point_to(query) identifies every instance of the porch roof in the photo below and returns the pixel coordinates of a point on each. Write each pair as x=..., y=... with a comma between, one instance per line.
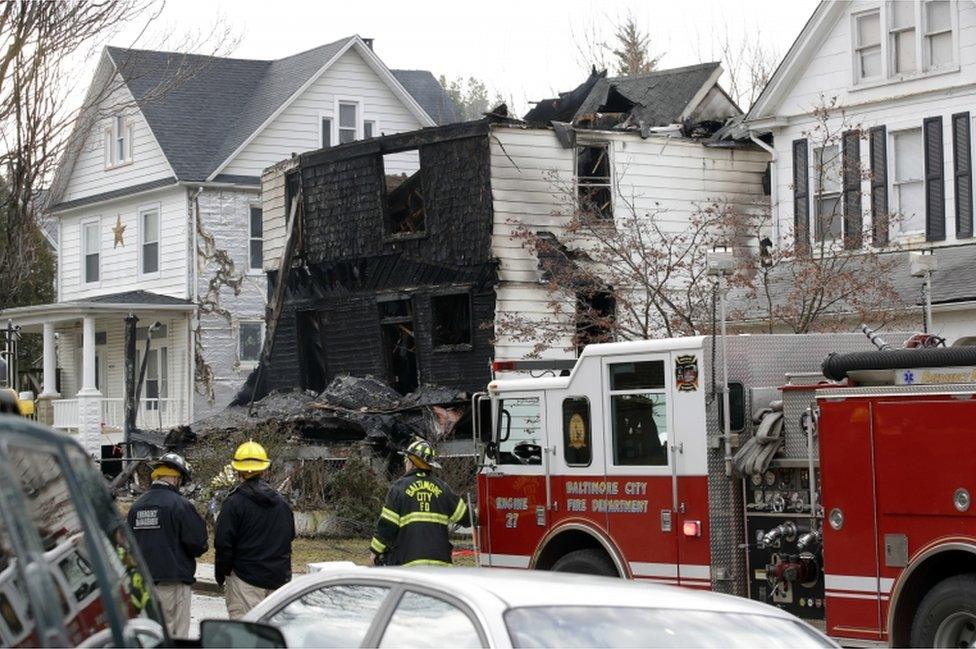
x=126, y=302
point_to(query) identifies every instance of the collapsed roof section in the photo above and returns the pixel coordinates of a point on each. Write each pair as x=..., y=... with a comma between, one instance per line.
x=688, y=100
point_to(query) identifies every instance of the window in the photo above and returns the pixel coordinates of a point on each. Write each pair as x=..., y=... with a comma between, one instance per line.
x=399, y=345
x=908, y=184
x=369, y=128
x=519, y=431
x=118, y=142
x=251, y=341
x=326, y=129
x=593, y=189
x=424, y=621
x=348, y=119
x=902, y=37
x=332, y=616
x=827, y=185
x=404, y=192
x=120, y=134
x=938, y=34
x=149, y=223
x=577, y=438
x=867, y=45
x=639, y=417
x=256, y=251
x=91, y=241
x=595, y=315
x=451, y=321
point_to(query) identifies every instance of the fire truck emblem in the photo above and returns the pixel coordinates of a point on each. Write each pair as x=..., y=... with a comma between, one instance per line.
x=577, y=431
x=686, y=373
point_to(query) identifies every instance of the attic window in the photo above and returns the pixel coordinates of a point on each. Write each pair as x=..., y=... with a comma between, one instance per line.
x=118, y=142
x=593, y=190
x=404, y=193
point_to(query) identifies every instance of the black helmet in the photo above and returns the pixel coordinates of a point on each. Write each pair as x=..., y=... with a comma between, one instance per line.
x=175, y=461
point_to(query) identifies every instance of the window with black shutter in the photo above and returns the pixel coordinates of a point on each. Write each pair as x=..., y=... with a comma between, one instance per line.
x=852, y=190
x=801, y=197
x=879, y=185
x=962, y=169
x=934, y=180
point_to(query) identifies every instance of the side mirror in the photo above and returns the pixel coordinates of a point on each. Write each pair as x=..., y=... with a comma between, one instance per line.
x=241, y=635
x=505, y=419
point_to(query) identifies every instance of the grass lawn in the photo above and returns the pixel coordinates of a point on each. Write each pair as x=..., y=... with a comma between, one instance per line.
x=305, y=551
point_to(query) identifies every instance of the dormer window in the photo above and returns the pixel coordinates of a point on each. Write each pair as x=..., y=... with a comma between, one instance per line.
x=118, y=142
x=867, y=45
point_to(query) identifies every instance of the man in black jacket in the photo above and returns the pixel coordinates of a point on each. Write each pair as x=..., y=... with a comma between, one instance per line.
x=413, y=528
x=171, y=534
x=255, y=529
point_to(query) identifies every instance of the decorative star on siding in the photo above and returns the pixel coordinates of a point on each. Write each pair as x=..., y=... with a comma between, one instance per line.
x=119, y=230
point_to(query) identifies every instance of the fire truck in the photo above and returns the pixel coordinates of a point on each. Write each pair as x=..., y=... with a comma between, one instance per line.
x=837, y=488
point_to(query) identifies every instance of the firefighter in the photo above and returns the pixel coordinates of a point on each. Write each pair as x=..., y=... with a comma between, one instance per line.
x=414, y=522
x=255, y=528
x=171, y=535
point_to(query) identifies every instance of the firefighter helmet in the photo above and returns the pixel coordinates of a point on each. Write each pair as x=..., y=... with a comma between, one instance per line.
x=173, y=461
x=250, y=457
x=422, y=454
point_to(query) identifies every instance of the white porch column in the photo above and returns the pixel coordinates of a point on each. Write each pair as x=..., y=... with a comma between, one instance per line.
x=89, y=398
x=50, y=390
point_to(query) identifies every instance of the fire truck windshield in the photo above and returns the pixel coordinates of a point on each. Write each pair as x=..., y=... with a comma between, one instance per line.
x=619, y=626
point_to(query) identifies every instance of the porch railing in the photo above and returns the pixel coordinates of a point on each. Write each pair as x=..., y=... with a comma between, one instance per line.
x=65, y=413
x=153, y=414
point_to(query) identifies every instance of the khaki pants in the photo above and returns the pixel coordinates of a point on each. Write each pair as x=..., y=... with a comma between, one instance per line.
x=241, y=596
x=174, y=599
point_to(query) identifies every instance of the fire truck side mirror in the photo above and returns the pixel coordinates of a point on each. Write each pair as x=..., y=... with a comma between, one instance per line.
x=505, y=419
x=485, y=432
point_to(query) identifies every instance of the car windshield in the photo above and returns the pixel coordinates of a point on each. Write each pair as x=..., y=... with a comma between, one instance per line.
x=617, y=626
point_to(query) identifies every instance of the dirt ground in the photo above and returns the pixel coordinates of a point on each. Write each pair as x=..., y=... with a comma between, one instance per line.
x=305, y=551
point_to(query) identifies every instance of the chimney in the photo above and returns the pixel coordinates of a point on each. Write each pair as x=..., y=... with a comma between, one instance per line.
x=369, y=43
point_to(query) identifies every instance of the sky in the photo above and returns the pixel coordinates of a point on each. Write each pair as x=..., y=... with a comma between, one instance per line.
x=524, y=50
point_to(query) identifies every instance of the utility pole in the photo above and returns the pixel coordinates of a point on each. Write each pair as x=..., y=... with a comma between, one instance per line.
x=131, y=404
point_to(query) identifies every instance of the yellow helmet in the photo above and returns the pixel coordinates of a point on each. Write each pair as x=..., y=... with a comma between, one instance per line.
x=250, y=456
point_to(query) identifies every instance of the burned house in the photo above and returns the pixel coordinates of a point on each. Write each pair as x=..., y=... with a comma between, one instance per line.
x=406, y=250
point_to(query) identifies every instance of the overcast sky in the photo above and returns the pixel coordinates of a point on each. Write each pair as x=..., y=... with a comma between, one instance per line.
x=526, y=50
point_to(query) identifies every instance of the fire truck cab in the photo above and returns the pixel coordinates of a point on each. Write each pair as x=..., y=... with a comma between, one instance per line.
x=844, y=503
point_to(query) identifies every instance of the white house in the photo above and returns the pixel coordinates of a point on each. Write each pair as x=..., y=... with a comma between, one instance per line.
x=159, y=215
x=903, y=77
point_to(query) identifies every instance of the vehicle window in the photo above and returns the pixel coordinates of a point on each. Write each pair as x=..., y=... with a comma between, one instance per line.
x=333, y=616
x=16, y=623
x=577, y=446
x=424, y=621
x=606, y=626
x=520, y=431
x=639, y=413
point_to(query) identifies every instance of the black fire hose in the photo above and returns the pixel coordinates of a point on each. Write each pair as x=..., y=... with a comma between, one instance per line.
x=837, y=366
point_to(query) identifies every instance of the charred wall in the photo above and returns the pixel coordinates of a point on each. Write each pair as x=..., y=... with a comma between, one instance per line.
x=359, y=284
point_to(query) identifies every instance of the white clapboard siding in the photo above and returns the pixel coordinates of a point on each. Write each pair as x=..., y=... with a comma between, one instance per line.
x=895, y=105
x=273, y=212
x=120, y=265
x=668, y=179
x=296, y=129
x=89, y=175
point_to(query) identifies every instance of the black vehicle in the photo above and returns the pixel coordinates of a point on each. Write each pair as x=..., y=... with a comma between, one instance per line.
x=70, y=571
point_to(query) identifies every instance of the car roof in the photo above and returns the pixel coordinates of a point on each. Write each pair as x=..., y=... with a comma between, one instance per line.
x=520, y=588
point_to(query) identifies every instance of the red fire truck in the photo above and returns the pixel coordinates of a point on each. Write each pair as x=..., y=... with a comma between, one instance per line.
x=838, y=489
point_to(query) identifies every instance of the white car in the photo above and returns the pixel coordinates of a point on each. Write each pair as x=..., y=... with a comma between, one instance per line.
x=354, y=606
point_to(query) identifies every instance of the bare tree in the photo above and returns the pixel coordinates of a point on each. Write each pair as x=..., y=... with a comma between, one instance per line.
x=749, y=62
x=38, y=125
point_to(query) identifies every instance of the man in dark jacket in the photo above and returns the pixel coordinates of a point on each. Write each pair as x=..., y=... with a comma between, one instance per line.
x=413, y=528
x=255, y=529
x=171, y=535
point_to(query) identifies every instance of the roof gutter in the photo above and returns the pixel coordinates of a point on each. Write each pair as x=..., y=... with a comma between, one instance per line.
x=773, y=185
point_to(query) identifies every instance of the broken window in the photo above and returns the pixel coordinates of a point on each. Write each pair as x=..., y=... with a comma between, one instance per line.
x=451, y=321
x=593, y=181
x=404, y=193
x=251, y=339
x=595, y=313
x=399, y=345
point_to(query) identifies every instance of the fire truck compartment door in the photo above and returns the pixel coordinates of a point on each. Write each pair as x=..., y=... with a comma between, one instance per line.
x=924, y=452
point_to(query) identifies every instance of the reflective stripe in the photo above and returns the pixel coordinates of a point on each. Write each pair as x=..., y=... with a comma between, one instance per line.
x=459, y=511
x=377, y=546
x=423, y=517
x=390, y=515
x=426, y=562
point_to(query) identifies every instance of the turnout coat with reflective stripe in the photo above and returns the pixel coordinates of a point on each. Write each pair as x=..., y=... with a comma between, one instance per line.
x=413, y=526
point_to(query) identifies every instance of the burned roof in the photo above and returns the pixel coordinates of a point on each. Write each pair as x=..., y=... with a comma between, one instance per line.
x=658, y=98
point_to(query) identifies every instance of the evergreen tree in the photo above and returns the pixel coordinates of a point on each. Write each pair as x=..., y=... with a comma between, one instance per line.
x=632, y=54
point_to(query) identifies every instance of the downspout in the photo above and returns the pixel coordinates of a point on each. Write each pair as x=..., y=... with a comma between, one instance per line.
x=195, y=297
x=773, y=185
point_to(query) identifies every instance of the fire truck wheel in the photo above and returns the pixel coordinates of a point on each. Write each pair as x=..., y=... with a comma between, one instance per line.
x=947, y=615
x=586, y=562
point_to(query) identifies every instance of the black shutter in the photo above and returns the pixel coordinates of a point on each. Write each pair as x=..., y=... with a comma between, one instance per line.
x=852, y=189
x=879, y=186
x=934, y=180
x=962, y=169
x=801, y=197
